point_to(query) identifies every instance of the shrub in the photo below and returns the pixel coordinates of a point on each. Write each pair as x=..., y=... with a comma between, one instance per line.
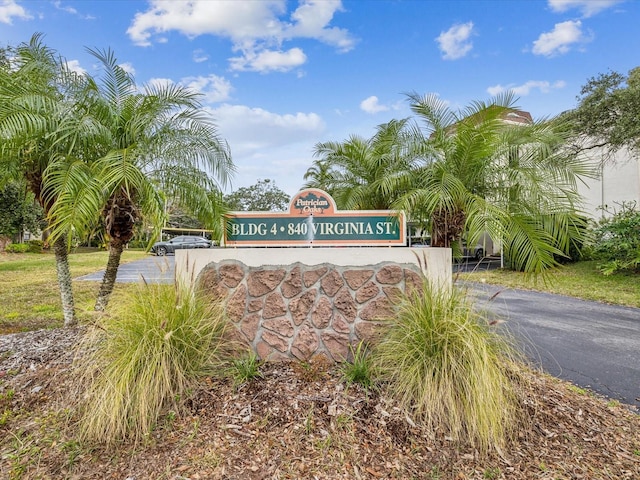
x=138, y=244
x=440, y=360
x=36, y=246
x=145, y=357
x=616, y=241
x=17, y=248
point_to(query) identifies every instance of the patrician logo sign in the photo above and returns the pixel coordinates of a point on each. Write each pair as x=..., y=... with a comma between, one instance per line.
x=311, y=203
x=314, y=220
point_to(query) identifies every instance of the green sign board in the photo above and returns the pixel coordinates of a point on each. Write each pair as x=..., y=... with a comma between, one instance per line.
x=314, y=220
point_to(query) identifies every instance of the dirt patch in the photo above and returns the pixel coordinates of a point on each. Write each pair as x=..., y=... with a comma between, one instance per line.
x=296, y=423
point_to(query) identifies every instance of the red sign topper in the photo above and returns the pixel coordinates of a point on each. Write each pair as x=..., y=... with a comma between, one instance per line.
x=312, y=201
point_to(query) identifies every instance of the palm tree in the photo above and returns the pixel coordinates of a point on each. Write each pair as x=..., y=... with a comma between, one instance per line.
x=37, y=94
x=149, y=145
x=361, y=169
x=319, y=175
x=479, y=173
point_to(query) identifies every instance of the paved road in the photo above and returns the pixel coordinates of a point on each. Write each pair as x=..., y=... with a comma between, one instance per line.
x=591, y=344
x=153, y=269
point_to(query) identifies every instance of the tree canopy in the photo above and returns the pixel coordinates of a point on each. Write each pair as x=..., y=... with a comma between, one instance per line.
x=608, y=110
x=148, y=144
x=357, y=172
x=482, y=173
x=38, y=100
x=263, y=196
x=464, y=173
x=18, y=211
x=103, y=150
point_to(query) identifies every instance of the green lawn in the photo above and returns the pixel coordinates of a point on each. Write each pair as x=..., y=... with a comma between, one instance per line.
x=29, y=295
x=581, y=280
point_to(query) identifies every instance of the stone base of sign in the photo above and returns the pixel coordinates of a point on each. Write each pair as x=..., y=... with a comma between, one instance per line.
x=306, y=303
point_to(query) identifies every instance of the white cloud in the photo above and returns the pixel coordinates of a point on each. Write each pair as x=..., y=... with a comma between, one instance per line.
x=9, y=10
x=70, y=10
x=256, y=128
x=525, y=89
x=74, y=66
x=269, y=145
x=58, y=5
x=560, y=39
x=311, y=20
x=455, y=43
x=268, y=60
x=255, y=28
x=128, y=67
x=372, y=105
x=200, y=56
x=587, y=7
x=263, y=144
x=239, y=21
x=214, y=88
x=160, y=82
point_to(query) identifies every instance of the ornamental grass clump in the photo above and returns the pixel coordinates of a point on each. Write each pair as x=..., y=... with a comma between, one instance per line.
x=143, y=360
x=244, y=369
x=359, y=369
x=443, y=363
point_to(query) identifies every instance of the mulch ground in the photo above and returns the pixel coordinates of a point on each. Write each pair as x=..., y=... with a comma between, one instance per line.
x=296, y=422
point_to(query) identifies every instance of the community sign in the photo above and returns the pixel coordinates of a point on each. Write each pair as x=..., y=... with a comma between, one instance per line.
x=314, y=220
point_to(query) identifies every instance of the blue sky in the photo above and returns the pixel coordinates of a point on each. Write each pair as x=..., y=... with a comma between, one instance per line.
x=280, y=76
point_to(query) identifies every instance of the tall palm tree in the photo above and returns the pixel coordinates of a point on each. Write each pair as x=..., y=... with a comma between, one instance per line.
x=361, y=168
x=37, y=98
x=479, y=173
x=149, y=145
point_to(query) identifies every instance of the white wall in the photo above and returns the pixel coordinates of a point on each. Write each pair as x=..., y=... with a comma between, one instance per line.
x=619, y=182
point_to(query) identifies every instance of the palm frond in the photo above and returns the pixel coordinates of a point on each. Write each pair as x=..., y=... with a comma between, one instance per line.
x=75, y=195
x=117, y=84
x=529, y=247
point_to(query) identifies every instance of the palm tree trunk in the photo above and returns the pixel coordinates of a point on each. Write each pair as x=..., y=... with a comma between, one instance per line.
x=446, y=227
x=64, y=281
x=110, y=274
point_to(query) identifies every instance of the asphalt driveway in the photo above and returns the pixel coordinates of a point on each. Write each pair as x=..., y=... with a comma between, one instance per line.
x=152, y=269
x=591, y=344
